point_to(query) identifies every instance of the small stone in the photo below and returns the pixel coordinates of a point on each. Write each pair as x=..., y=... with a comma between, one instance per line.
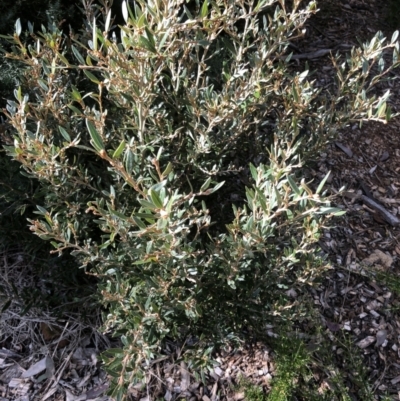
x=374, y=313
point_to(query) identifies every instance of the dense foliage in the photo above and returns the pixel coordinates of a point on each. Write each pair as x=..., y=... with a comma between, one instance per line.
x=170, y=165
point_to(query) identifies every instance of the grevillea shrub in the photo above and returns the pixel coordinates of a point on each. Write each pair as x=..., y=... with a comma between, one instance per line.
x=170, y=159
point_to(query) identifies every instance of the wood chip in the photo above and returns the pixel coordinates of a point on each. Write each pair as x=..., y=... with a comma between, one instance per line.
x=385, y=156
x=380, y=337
x=366, y=342
x=344, y=148
x=35, y=369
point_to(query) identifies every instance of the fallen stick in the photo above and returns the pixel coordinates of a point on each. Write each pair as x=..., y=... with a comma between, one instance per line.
x=316, y=54
x=309, y=56
x=392, y=220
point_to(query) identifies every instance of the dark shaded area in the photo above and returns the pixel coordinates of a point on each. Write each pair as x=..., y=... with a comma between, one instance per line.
x=59, y=281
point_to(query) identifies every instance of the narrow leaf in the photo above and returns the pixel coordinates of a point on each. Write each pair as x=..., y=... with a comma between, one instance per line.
x=167, y=170
x=156, y=199
x=332, y=210
x=119, y=150
x=254, y=172
x=204, y=9
x=97, y=141
x=91, y=76
x=77, y=55
x=322, y=183
x=293, y=185
x=18, y=28
x=64, y=133
x=205, y=186
x=150, y=36
x=125, y=11
x=216, y=188
x=94, y=35
x=147, y=44
x=108, y=21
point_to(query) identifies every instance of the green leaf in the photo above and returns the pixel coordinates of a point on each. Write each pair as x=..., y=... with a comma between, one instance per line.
x=42, y=210
x=150, y=36
x=164, y=38
x=295, y=93
x=365, y=66
x=147, y=44
x=293, y=185
x=129, y=159
x=216, y=188
x=92, y=77
x=75, y=93
x=18, y=94
x=63, y=59
x=142, y=21
x=254, y=172
x=331, y=210
x=382, y=110
x=187, y=12
x=118, y=214
x=156, y=199
x=147, y=205
x=204, y=43
x=229, y=45
x=204, y=9
x=64, y=133
x=388, y=113
x=74, y=109
x=43, y=85
x=97, y=141
x=167, y=170
x=394, y=37
x=119, y=150
x=113, y=352
x=322, y=183
x=78, y=55
x=205, y=186
x=262, y=200
x=139, y=222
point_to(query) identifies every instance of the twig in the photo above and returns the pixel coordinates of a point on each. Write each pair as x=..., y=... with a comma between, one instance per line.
x=392, y=220
x=316, y=54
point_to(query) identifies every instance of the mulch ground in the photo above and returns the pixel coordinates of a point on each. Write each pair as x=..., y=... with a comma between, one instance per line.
x=363, y=246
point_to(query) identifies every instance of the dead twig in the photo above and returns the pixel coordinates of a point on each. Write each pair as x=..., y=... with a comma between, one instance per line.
x=392, y=220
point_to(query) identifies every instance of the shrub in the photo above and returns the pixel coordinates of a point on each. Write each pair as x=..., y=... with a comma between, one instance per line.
x=144, y=148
